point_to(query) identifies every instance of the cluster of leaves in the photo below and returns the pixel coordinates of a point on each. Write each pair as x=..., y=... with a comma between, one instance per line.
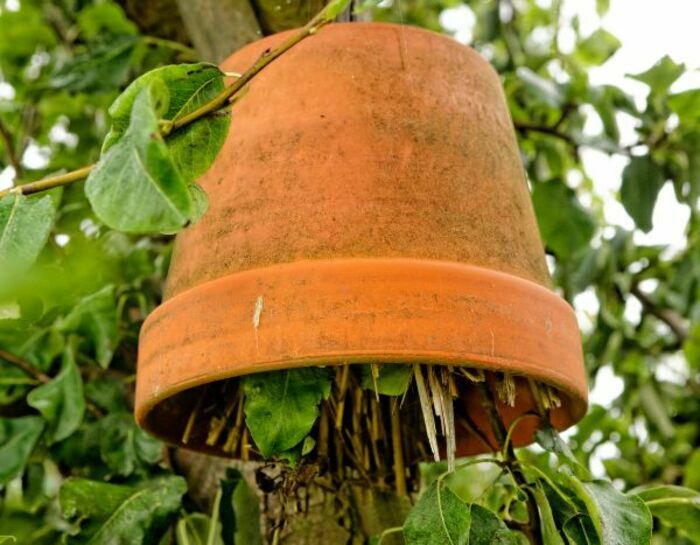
x=573, y=508
x=69, y=322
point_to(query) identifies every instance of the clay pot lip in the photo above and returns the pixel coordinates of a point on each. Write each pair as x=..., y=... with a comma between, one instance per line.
x=369, y=25
x=575, y=391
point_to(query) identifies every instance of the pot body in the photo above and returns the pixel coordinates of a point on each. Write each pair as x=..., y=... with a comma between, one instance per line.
x=368, y=206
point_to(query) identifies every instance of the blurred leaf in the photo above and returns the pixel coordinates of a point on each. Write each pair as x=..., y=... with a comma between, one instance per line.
x=692, y=471
x=61, y=401
x=194, y=147
x=136, y=187
x=598, y=47
x=662, y=75
x=95, y=318
x=104, y=67
x=544, y=90
x=281, y=407
x=439, y=517
x=686, y=105
x=124, y=514
x=642, y=180
x=17, y=439
x=565, y=225
x=393, y=379
x=23, y=32
x=105, y=17
x=25, y=223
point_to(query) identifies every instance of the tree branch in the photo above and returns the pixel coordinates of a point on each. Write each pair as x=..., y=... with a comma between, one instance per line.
x=325, y=16
x=10, y=148
x=672, y=319
x=24, y=366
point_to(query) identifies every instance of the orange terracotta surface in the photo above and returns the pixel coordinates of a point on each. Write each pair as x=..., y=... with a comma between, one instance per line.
x=368, y=206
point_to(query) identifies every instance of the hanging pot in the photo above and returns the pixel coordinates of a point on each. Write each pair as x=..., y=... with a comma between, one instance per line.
x=368, y=206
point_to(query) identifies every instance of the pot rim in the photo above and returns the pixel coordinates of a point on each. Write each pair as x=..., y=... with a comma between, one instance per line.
x=532, y=332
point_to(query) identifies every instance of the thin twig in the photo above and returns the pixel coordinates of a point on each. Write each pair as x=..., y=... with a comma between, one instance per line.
x=10, y=148
x=326, y=15
x=24, y=366
x=673, y=320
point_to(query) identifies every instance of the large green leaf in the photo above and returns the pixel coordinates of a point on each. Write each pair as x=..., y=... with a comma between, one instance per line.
x=194, y=147
x=124, y=515
x=17, y=439
x=565, y=225
x=25, y=223
x=618, y=519
x=686, y=105
x=94, y=317
x=676, y=506
x=136, y=186
x=438, y=518
x=61, y=401
x=642, y=180
x=281, y=407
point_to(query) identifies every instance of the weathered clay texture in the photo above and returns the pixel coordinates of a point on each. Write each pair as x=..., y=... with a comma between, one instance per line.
x=369, y=205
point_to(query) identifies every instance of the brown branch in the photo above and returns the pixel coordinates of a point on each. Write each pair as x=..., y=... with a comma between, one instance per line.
x=672, y=319
x=50, y=183
x=10, y=148
x=543, y=129
x=24, y=366
x=326, y=15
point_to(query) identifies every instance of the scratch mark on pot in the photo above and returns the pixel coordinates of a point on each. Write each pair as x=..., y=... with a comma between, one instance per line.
x=257, y=312
x=493, y=343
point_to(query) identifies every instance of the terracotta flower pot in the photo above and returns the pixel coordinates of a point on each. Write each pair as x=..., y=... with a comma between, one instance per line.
x=369, y=206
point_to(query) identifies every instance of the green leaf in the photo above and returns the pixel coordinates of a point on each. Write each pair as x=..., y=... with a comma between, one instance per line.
x=136, y=186
x=642, y=180
x=239, y=511
x=686, y=105
x=618, y=519
x=662, y=75
x=193, y=529
x=25, y=224
x=23, y=32
x=61, y=401
x=95, y=318
x=565, y=225
x=103, y=67
x=548, y=528
x=393, y=379
x=17, y=439
x=194, y=147
x=488, y=529
x=602, y=7
x=123, y=514
x=281, y=407
x=544, y=90
x=598, y=47
x=106, y=17
x=691, y=478
x=438, y=518
x=675, y=506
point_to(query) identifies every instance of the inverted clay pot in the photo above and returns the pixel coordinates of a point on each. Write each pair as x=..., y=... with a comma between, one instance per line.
x=368, y=206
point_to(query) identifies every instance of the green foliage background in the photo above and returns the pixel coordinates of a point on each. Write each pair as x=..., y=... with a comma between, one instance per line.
x=67, y=435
